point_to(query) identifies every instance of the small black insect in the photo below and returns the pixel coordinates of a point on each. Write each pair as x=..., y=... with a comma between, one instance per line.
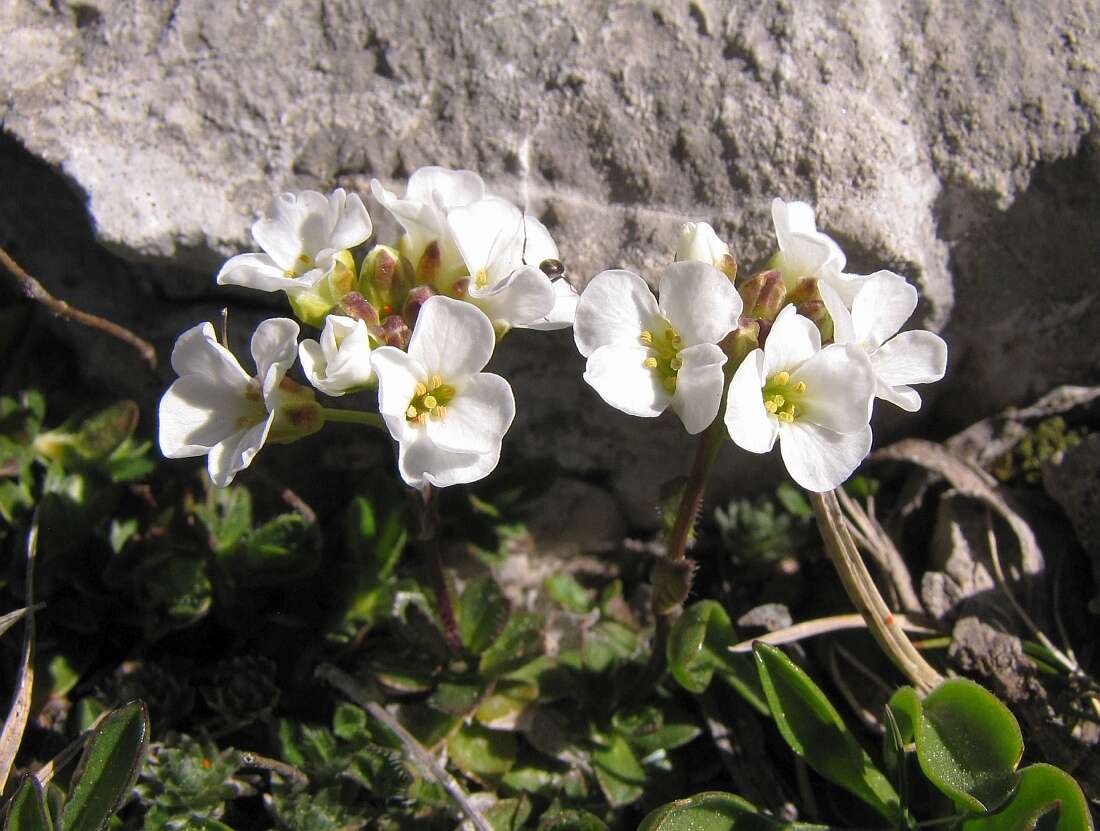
x=552, y=268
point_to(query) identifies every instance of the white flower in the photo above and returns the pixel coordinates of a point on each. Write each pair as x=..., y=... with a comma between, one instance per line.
x=301, y=235
x=431, y=193
x=447, y=416
x=341, y=360
x=699, y=242
x=494, y=239
x=815, y=401
x=879, y=310
x=645, y=356
x=806, y=252
x=215, y=408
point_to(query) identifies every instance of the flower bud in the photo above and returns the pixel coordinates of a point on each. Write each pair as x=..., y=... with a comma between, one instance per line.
x=416, y=298
x=741, y=341
x=395, y=332
x=297, y=413
x=430, y=263
x=355, y=306
x=313, y=304
x=385, y=278
x=699, y=242
x=807, y=301
x=764, y=294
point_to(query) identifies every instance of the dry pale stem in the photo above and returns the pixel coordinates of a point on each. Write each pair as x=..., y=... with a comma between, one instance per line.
x=861, y=588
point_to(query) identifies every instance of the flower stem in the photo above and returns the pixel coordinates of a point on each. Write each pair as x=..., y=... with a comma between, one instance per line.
x=884, y=625
x=692, y=498
x=428, y=543
x=353, y=417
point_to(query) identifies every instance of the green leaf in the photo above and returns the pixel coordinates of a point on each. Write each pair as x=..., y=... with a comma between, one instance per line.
x=509, y=814
x=456, y=699
x=100, y=434
x=607, y=643
x=107, y=769
x=1041, y=791
x=520, y=641
x=813, y=728
x=621, y=776
x=27, y=809
x=350, y=722
x=716, y=811
x=969, y=744
x=227, y=516
x=282, y=549
x=482, y=752
x=508, y=700
x=698, y=647
x=571, y=820
x=482, y=612
x=568, y=593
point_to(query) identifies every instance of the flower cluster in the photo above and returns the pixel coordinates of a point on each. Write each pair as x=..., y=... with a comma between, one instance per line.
x=797, y=353
x=418, y=321
x=794, y=353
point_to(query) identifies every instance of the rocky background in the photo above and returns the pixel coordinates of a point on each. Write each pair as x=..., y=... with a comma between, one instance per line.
x=953, y=142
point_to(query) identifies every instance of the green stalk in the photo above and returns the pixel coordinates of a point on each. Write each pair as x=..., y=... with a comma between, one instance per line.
x=353, y=417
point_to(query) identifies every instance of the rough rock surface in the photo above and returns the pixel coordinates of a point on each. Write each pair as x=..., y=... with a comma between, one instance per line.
x=953, y=142
x=1073, y=481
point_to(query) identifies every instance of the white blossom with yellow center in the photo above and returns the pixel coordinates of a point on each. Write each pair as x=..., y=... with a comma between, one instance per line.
x=815, y=401
x=879, y=309
x=216, y=409
x=805, y=251
x=646, y=356
x=447, y=416
x=301, y=236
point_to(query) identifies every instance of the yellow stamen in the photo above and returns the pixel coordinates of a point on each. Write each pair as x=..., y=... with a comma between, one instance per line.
x=436, y=381
x=782, y=378
x=779, y=400
x=785, y=416
x=770, y=406
x=411, y=413
x=430, y=403
x=650, y=363
x=482, y=279
x=420, y=390
x=439, y=411
x=676, y=363
x=646, y=337
x=800, y=386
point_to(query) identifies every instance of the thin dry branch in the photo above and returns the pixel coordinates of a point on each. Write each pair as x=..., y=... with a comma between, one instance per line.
x=35, y=291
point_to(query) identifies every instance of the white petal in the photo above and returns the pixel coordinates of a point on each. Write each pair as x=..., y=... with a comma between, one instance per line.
x=255, y=271
x=803, y=250
x=274, y=343
x=619, y=375
x=314, y=365
x=748, y=423
x=196, y=413
x=236, y=453
x=844, y=329
x=524, y=296
x=845, y=285
x=792, y=217
x=477, y=418
x=615, y=307
x=452, y=338
x=420, y=462
x=448, y=188
x=881, y=307
x=485, y=233
x=423, y=222
x=699, y=301
x=296, y=223
x=351, y=360
x=352, y=222
x=699, y=386
x=793, y=339
x=398, y=374
x=540, y=245
x=699, y=242
x=900, y=396
x=918, y=357
x=840, y=386
x=819, y=459
x=197, y=352
x=565, y=308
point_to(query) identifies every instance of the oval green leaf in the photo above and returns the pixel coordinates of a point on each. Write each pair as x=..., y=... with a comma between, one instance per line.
x=571, y=820
x=1041, y=791
x=27, y=809
x=482, y=611
x=969, y=744
x=716, y=811
x=813, y=728
x=482, y=752
x=698, y=647
x=107, y=769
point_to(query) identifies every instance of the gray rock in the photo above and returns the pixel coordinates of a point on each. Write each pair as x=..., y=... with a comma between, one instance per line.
x=1072, y=478
x=959, y=574
x=954, y=143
